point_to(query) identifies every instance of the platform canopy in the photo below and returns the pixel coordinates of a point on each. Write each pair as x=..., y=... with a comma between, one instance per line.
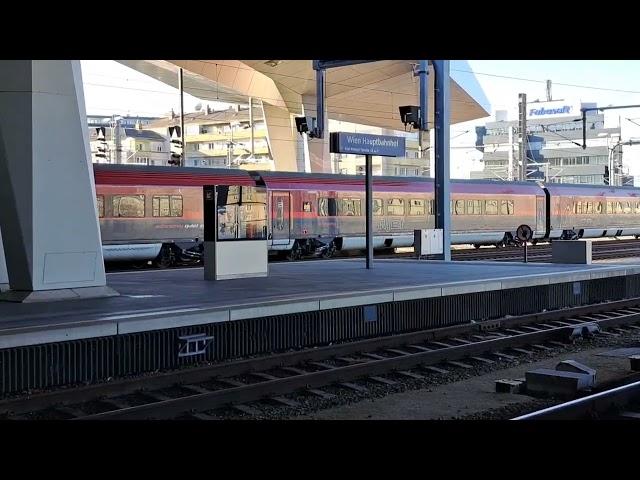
x=367, y=94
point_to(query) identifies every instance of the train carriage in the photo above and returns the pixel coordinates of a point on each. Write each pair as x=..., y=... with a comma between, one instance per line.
x=591, y=211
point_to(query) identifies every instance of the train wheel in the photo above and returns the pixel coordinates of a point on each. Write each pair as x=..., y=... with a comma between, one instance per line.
x=476, y=246
x=165, y=258
x=330, y=251
x=295, y=253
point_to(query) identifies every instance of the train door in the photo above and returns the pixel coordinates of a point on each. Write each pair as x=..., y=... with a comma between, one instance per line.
x=541, y=215
x=280, y=217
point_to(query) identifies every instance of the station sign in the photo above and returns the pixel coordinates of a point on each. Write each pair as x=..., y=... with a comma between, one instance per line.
x=367, y=144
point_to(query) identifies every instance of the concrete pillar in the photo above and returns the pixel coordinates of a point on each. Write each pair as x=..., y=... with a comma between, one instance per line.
x=48, y=214
x=319, y=157
x=282, y=135
x=4, y=277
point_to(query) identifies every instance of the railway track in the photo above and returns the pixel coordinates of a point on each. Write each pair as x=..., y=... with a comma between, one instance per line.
x=192, y=392
x=605, y=250
x=618, y=403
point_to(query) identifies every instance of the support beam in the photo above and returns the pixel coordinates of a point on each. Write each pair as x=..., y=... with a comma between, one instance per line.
x=48, y=213
x=320, y=103
x=318, y=148
x=423, y=73
x=369, y=208
x=183, y=157
x=442, y=168
x=4, y=276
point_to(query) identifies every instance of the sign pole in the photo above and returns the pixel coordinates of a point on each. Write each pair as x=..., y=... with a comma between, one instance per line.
x=369, y=208
x=368, y=145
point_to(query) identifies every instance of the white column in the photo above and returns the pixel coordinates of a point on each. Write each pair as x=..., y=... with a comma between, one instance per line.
x=47, y=194
x=282, y=136
x=4, y=277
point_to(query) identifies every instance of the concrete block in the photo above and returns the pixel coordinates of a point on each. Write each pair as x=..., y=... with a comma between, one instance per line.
x=576, y=367
x=355, y=300
x=460, y=288
x=554, y=382
x=267, y=310
x=635, y=362
x=20, y=296
x=510, y=386
x=571, y=251
x=20, y=337
x=412, y=294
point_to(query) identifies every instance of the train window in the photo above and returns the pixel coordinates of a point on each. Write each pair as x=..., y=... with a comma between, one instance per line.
x=627, y=207
x=130, y=206
x=327, y=207
x=619, y=207
x=395, y=206
x=306, y=206
x=491, y=207
x=416, y=207
x=167, y=205
x=474, y=207
x=610, y=208
x=577, y=208
x=176, y=205
x=430, y=207
x=350, y=207
x=459, y=207
x=377, y=206
x=100, y=201
x=598, y=207
x=637, y=207
x=589, y=210
x=506, y=207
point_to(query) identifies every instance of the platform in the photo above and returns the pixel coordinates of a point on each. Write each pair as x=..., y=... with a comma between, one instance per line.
x=298, y=304
x=155, y=299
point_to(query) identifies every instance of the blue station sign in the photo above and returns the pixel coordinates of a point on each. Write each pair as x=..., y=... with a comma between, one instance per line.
x=367, y=144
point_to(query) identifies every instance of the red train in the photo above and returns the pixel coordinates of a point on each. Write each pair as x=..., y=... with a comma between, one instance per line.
x=155, y=213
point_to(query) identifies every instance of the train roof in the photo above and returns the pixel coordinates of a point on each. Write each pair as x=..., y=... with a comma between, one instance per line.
x=591, y=190
x=314, y=181
x=170, y=176
x=195, y=176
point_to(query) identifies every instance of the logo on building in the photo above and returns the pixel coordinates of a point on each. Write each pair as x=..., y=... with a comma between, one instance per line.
x=565, y=109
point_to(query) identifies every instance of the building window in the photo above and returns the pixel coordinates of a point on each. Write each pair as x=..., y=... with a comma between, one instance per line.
x=212, y=146
x=395, y=207
x=100, y=202
x=139, y=147
x=159, y=148
x=128, y=206
x=167, y=205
